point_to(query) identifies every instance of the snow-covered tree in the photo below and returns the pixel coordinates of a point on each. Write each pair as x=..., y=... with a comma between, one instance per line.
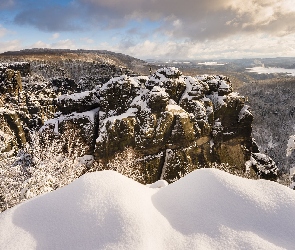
x=125, y=163
x=290, y=148
x=43, y=165
x=290, y=145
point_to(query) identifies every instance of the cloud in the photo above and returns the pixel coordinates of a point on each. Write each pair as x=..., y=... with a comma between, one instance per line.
x=4, y=4
x=247, y=46
x=3, y=31
x=61, y=44
x=55, y=36
x=198, y=20
x=87, y=40
x=40, y=44
x=10, y=45
x=49, y=18
x=64, y=44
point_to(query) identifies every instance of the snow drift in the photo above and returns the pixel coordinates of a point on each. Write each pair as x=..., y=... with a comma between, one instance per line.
x=207, y=209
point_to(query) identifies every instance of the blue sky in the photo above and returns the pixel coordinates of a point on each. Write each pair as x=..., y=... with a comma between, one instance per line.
x=146, y=29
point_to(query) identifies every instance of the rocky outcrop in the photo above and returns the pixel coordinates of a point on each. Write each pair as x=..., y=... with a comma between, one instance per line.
x=12, y=119
x=28, y=99
x=177, y=123
x=173, y=123
x=10, y=81
x=64, y=85
x=25, y=103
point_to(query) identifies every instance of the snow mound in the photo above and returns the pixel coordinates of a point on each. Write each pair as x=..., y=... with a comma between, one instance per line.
x=207, y=209
x=159, y=184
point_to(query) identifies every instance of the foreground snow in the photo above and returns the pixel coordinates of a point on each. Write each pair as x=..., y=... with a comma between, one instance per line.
x=207, y=209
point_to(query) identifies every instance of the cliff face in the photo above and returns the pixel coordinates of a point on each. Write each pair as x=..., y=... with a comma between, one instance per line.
x=176, y=123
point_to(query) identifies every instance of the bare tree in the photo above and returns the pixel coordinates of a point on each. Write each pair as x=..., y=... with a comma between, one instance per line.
x=125, y=163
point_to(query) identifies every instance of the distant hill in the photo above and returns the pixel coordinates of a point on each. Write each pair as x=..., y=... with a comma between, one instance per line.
x=100, y=56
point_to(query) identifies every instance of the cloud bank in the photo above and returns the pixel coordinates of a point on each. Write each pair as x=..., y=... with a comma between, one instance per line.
x=191, y=19
x=166, y=29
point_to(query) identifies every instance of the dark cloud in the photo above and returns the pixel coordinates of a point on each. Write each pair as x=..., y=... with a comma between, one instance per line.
x=53, y=18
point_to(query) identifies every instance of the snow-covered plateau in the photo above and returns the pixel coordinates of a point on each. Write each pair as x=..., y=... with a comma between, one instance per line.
x=206, y=209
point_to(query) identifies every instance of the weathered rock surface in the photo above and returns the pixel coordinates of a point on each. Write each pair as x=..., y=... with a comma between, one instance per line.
x=10, y=81
x=12, y=118
x=176, y=123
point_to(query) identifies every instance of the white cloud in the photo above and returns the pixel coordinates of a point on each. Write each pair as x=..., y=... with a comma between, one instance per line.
x=3, y=31
x=10, y=45
x=61, y=44
x=194, y=20
x=190, y=29
x=55, y=36
x=241, y=46
x=40, y=44
x=64, y=44
x=87, y=40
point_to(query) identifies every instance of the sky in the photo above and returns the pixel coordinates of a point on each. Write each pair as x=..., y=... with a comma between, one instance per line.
x=153, y=29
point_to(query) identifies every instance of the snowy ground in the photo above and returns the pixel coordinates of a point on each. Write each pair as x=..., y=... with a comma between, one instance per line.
x=207, y=209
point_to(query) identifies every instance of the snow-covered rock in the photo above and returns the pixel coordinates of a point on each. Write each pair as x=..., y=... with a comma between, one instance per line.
x=180, y=122
x=174, y=116
x=78, y=102
x=264, y=166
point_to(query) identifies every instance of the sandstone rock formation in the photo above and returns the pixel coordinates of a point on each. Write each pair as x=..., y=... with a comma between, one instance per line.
x=173, y=123
x=11, y=122
x=177, y=123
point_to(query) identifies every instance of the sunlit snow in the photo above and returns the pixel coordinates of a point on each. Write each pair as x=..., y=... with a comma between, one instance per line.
x=207, y=209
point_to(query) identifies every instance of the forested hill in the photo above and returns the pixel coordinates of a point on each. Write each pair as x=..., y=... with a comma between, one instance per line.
x=56, y=55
